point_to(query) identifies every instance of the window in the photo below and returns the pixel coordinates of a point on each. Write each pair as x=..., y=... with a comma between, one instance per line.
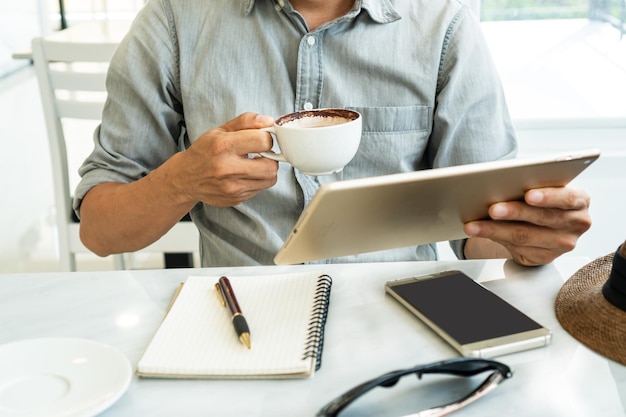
x=559, y=59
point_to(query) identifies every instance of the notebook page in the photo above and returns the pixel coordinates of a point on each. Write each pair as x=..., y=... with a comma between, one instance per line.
x=197, y=337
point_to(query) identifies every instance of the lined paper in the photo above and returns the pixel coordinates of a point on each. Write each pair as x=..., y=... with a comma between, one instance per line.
x=197, y=338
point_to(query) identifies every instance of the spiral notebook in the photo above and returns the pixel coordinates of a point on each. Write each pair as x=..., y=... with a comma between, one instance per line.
x=286, y=314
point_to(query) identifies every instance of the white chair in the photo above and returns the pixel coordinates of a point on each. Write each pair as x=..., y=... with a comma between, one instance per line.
x=71, y=78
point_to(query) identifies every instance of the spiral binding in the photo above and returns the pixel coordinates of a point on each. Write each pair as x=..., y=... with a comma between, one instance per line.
x=315, y=339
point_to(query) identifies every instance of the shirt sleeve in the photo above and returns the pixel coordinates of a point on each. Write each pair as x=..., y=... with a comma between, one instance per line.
x=471, y=122
x=142, y=122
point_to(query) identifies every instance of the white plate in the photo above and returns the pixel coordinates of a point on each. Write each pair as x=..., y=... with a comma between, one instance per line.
x=60, y=377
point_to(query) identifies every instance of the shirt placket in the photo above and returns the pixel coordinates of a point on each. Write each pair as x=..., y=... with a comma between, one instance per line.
x=308, y=92
x=309, y=83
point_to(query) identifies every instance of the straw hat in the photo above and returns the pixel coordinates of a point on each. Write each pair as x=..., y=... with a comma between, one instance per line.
x=591, y=305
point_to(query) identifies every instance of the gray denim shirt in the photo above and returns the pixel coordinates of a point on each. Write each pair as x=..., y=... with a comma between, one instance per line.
x=419, y=71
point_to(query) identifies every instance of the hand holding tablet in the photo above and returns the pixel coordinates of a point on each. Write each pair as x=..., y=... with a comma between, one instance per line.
x=413, y=208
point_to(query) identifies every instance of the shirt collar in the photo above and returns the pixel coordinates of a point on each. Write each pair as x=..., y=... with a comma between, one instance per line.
x=247, y=4
x=381, y=11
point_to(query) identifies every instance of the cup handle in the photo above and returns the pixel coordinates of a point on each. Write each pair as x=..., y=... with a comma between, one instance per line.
x=273, y=155
x=270, y=154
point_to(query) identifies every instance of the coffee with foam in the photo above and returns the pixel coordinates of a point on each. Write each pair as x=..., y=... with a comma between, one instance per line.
x=317, y=118
x=313, y=122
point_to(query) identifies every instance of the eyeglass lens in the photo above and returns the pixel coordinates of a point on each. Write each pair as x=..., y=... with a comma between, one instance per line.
x=462, y=367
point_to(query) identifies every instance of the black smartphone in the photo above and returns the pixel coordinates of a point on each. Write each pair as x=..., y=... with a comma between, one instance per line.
x=470, y=317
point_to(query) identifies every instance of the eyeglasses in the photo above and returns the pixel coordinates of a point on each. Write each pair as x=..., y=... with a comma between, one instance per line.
x=463, y=367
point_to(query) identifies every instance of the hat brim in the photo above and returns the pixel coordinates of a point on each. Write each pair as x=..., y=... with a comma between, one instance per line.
x=583, y=311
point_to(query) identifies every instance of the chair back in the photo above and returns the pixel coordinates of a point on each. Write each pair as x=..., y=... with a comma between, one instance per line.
x=71, y=78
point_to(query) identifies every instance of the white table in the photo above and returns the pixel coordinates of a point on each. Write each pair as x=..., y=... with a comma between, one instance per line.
x=367, y=334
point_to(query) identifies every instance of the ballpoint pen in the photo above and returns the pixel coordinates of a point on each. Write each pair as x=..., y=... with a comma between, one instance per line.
x=228, y=299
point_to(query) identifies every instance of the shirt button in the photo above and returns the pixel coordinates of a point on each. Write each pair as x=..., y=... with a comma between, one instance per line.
x=310, y=40
x=308, y=106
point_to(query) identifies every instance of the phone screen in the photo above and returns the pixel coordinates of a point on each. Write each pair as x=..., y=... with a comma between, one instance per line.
x=464, y=309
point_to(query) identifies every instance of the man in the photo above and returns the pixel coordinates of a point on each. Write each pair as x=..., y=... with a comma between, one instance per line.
x=193, y=81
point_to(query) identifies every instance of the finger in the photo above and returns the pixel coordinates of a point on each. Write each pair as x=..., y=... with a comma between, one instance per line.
x=524, y=254
x=240, y=136
x=237, y=191
x=247, y=120
x=506, y=233
x=576, y=221
x=230, y=200
x=259, y=168
x=533, y=256
x=241, y=168
x=230, y=191
x=241, y=143
x=566, y=198
x=514, y=235
x=246, y=142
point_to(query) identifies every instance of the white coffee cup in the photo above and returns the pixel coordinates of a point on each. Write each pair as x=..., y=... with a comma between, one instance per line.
x=317, y=142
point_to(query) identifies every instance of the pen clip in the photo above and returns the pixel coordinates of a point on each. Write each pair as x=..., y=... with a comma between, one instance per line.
x=218, y=289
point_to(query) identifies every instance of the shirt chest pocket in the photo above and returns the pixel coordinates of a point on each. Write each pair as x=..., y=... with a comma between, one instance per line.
x=395, y=120
x=394, y=139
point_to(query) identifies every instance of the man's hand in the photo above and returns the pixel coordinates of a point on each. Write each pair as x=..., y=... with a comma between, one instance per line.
x=216, y=168
x=535, y=231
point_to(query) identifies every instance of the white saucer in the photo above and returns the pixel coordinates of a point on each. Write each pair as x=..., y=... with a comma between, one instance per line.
x=56, y=377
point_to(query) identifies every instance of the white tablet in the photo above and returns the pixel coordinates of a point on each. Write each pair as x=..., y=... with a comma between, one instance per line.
x=392, y=211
